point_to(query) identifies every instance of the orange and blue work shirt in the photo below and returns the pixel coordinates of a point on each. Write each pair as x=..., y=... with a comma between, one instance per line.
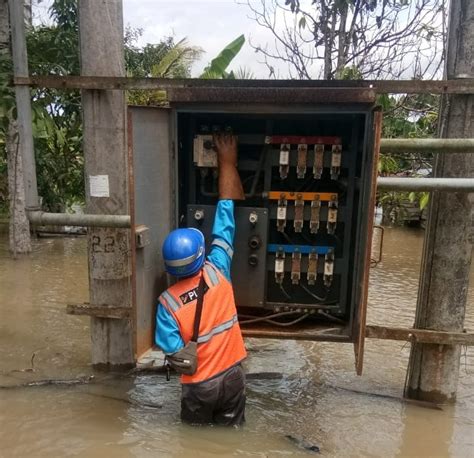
x=168, y=335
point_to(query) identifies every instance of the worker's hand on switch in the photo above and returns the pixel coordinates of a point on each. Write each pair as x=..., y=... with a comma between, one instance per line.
x=230, y=186
x=226, y=146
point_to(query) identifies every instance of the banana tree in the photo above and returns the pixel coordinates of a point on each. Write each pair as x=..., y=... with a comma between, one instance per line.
x=217, y=68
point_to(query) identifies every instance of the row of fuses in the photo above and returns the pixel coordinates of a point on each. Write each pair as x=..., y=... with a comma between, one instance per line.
x=302, y=158
x=314, y=199
x=297, y=252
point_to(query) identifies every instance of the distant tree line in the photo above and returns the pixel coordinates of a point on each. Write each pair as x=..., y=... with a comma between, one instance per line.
x=57, y=122
x=331, y=39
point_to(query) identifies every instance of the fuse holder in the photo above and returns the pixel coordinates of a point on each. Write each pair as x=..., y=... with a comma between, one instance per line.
x=284, y=160
x=281, y=213
x=336, y=160
x=301, y=161
x=315, y=215
x=299, y=214
x=295, y=267
x=312, y=273
x=318, y=163
x=329, y=268
x=280, y=266
x=332, y=216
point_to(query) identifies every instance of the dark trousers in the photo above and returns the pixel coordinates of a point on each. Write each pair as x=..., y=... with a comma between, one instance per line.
x=220, y=400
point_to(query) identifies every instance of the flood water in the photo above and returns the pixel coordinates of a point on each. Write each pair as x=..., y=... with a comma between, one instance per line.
x=139, y=416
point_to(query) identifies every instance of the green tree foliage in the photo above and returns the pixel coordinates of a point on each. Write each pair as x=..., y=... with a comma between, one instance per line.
x=57, y=129
x=409, y=116
x=217, y=68
x=166, y=59
x=57, y=125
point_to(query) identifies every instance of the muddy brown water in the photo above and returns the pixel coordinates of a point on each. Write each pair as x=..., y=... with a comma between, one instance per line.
x=310, y=401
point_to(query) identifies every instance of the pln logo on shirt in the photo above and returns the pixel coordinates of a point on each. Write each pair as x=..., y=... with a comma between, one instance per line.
x=189, y=296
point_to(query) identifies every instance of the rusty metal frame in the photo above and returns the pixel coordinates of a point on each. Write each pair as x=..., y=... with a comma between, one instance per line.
x=100, y=311
x=360, y=324
x=459, y=86
x=419, y=335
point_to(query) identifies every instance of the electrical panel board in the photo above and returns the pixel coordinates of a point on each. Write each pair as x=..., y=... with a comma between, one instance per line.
x=306, y=159
x=301, y=175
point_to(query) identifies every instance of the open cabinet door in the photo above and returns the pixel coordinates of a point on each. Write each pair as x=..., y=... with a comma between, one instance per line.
x=152, y=210
x=361, y=312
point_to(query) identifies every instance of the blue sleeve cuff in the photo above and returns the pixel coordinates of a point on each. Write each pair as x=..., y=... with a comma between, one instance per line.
x=223, y=233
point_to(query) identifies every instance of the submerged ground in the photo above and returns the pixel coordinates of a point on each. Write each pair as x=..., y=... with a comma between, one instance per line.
x=311, y=394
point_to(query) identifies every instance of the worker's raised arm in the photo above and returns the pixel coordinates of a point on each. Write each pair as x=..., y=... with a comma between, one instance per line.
x=230, y=186
x=230, y=189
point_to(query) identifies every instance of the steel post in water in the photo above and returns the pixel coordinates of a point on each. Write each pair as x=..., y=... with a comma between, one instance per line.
x=433, y=370
x=106, y=170
x=23, y=103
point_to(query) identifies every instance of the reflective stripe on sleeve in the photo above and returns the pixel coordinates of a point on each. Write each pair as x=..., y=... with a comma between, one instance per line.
x=218, y=330
x=171, y=301
x=211, y=273
x=225, y=246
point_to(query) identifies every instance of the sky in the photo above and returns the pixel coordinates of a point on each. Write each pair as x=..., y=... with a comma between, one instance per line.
x=209, y=24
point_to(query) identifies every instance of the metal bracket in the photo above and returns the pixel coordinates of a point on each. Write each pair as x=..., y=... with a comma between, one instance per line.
x=377, y=246
x=142, y=236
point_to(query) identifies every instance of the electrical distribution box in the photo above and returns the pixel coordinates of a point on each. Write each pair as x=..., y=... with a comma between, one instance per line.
x=307, y=167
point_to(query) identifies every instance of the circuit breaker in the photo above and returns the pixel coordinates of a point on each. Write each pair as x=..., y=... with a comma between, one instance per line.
x=307, y=167
x=296, y=230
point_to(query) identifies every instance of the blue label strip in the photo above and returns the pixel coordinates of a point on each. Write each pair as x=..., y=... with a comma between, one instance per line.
x=303, y=249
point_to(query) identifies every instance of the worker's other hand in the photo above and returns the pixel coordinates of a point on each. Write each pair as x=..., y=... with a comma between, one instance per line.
x=226, y=146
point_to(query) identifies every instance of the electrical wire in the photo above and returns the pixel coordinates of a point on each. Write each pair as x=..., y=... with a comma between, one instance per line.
x=303, y=186
x=289, y=323
x=268, y=319
x=265, y=318
x=261, y=163
x=283, y=290
x=288, y=238
x=314, y=296
x=331, y=317
x=306, y=238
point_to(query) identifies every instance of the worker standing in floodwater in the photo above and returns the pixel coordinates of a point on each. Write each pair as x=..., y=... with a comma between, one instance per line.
x=196, y=321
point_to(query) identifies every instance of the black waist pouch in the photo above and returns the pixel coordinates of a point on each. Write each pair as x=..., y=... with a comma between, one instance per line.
x=185, y=361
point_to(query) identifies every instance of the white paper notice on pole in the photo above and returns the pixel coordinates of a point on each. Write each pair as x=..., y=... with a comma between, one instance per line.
x=99, y=185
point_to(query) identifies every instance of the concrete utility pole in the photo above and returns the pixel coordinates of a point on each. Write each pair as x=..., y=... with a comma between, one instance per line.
x=434, y=369
x=23, y=193
x=105, y=151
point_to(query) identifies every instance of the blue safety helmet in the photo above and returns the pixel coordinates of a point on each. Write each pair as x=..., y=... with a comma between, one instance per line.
x=184, y=252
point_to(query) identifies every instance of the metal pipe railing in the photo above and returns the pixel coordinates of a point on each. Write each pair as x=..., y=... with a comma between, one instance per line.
x=65, y=219
x=425, y=184
x=427, y=145
x=124, y=221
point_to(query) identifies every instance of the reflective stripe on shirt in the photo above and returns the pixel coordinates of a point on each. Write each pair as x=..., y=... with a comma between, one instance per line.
x=211, y=274
x=224, y=245
x=170, y=300
x=217, y=330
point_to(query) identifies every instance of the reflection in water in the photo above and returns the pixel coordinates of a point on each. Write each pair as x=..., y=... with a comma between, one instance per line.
x=309, y=399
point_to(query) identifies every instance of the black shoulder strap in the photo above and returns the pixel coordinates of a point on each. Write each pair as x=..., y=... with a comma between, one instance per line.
x=197, y=315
